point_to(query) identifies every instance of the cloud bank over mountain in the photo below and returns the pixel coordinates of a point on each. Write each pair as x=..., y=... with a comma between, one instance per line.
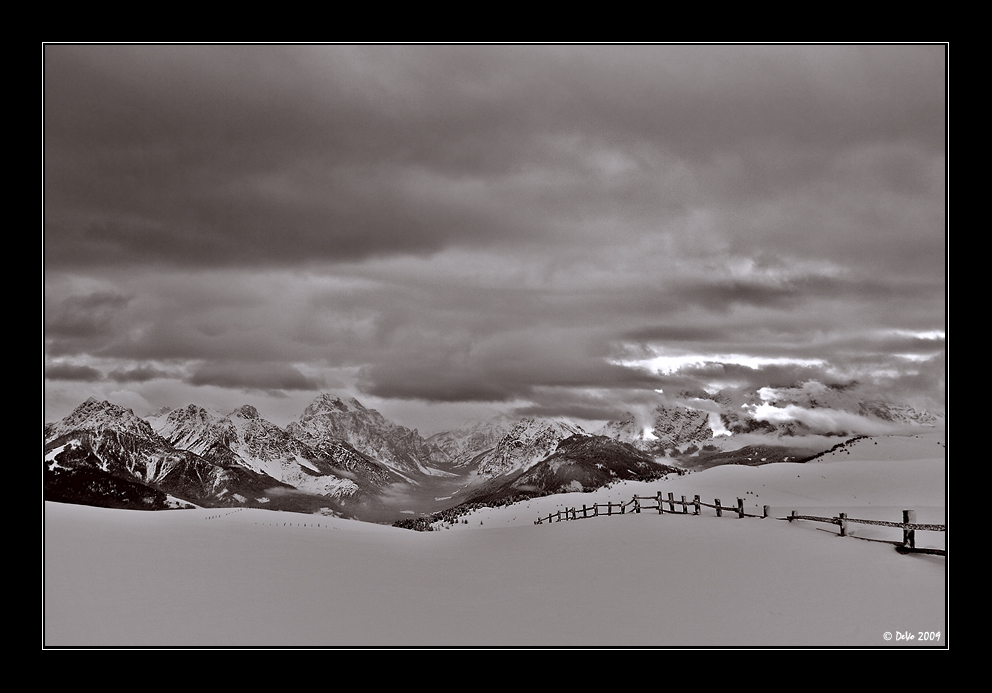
x=443, y=229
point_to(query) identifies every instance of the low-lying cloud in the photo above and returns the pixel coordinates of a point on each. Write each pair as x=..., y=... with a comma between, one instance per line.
x=252, y=376
x=823, y=420
x=72, y=372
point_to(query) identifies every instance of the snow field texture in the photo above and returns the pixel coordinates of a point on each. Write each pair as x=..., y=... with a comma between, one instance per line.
x=260, y=578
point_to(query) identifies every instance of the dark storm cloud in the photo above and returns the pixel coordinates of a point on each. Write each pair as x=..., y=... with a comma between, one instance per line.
x=753, y=377
x=72, y=372
x=227, y=155
x=139, y=374
x=214, y=155
x=671, y=333
x=607, y=405
x=252, y=376
x=501, y=367
x=83, y=317
x=494, y=223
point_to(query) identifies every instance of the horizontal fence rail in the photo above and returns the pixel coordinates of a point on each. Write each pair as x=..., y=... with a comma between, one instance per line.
x=635, y=506
x=908, y=525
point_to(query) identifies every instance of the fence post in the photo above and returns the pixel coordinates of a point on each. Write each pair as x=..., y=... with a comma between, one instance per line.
x=766, y=511
x=595, y=509
x=719, y=510
x=842, y=521
x=660, y=509
x=584, y=510
x=793, y=516
x=671, y=502
x=637, y=505
x=740, y=507
x=609, y=507
x=685, y=506
x=909, y=535
x=695, y=502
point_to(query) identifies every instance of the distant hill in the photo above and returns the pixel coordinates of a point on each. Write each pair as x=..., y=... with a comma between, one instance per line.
x=580, y=462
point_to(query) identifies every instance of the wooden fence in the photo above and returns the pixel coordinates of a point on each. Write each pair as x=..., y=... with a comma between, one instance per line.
x=909, y=527
x=634, y=505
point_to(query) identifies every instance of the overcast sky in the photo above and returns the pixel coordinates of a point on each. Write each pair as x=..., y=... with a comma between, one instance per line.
x=443, y=231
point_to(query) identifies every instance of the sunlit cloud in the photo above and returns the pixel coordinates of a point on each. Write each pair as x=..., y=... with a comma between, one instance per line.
x=669, y=364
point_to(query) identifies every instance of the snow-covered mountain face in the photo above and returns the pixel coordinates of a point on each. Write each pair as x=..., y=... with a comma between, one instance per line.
x=527, y=443
x=103, y=442
x=667, y=428
x=193, y=428
x=465, y=443
x=95, y=417
x=246, y=439
x=586, y=462
x=329, y=419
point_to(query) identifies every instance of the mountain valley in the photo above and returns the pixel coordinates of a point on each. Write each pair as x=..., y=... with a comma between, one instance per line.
x=344, y=459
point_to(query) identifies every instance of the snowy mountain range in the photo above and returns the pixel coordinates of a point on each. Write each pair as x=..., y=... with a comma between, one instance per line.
x=341, y=457
x=246, y=439
x=100, y=443
x=330, y=421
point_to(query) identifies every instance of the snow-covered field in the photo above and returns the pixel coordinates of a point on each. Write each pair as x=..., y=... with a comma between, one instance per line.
x=260, y=578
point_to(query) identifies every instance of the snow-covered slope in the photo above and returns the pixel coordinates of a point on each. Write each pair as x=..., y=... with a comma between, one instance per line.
x=247, y=577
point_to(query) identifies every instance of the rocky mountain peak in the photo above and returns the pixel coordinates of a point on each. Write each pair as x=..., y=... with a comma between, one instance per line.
x=192, y=412
x=530, y=441
x=325, y=403
x=246, y=411
x=401, y=449
x=95, y=415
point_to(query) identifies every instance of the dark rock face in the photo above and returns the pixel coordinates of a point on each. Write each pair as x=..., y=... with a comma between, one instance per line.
x=78, y=478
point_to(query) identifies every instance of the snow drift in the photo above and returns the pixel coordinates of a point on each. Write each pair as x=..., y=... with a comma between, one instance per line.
x=247, y=577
